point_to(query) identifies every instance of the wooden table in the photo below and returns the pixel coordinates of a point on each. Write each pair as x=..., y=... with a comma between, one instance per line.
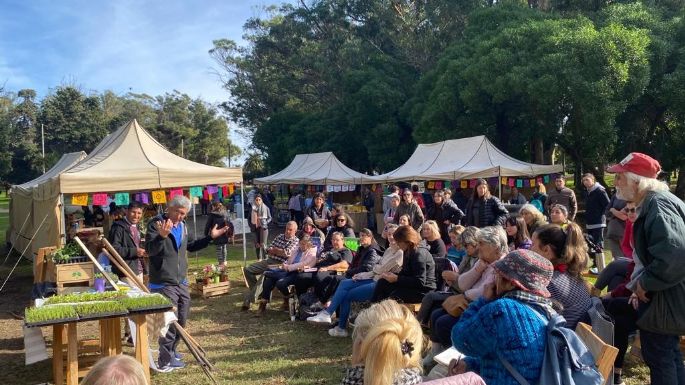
x=110, y=345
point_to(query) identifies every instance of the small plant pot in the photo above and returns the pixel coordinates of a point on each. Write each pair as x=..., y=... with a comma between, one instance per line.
x=100, y=285
x=223, y=278
x=206, y=281
x=216, y=279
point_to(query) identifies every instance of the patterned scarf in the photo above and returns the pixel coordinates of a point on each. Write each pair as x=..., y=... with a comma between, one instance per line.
x=354, y=375
x=533, y=300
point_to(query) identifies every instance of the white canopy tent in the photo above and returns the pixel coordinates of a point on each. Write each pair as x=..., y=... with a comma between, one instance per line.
x=127, y=160
x=466, y=158
x=315, y=169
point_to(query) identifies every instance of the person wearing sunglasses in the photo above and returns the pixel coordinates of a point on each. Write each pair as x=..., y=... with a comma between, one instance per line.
x=340, y=225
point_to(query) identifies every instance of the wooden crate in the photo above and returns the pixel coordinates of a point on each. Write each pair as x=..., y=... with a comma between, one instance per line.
x=70, y=274
x=210, y=290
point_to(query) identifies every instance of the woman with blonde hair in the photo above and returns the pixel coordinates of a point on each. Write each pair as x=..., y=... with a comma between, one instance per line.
x=386, y=349
x=533, y=216
x=116, y=370
x=430, y=232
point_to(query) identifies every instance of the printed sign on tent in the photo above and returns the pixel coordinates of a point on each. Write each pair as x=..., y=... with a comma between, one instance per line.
x=175, y=192
x=329, y=188
x=345, y=188
x=519, y=183
x=196, y=191
x=158, y=197
x=79, y=199
x=122, y=199
x=512, y=181
x=337, y=188
x=504, y=180
x=532, y=183
x=100, y=199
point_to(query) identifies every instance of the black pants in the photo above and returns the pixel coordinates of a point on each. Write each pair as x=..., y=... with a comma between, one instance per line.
x=325, y=285
x=625, y=317
x=613, y=274
x=180, y=297
x=385, y=289
x=431, y=302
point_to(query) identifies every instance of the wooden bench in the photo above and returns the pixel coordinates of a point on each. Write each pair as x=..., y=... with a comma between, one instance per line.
x=603, y=353
x=414, y=307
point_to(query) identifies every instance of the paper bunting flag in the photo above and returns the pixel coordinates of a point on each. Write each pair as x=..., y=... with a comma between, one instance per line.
x=100, y=199
x=219, y=194
x=196, y=191
x=447, y=184
x=538, y=180
x=519, y=183
x=337, y=188
x=79, y=199
x=329, y=188
x=212, y=189
x=438, y=185
x=122, y=199
x=205, y=195
x=175, y=192
x=464, y=184
x=224, y=190
x=158, y=196
x=472, y=183
x=512, y=181
x=431, y=185
x=504, y=180
x=532, y=183
x=231, y=189
x=345, y=188
x=546, y=179
x=143, y=198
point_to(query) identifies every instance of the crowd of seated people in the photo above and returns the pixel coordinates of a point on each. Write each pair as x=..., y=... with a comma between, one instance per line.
x=479, y=278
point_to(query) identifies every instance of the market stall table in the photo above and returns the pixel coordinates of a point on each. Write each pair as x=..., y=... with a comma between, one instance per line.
x=110, y=344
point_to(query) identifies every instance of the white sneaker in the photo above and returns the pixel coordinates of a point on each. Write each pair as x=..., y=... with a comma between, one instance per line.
x=337, y=332
x=322, y=318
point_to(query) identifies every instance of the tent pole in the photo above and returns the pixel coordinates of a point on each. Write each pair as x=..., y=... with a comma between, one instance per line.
x=499, y=181
x=197, y=260
x=63, y=219
x=242, y=222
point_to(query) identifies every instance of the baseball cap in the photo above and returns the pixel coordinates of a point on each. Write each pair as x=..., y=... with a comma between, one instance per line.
x=639, y=164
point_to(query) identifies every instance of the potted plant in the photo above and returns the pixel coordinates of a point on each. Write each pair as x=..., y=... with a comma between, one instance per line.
x=99, y=282
x=211, y=274
x=48, y=315
x=223, y=275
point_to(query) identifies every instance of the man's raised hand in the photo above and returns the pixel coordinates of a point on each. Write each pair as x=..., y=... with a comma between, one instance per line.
x=217, y=232
x=164, y=228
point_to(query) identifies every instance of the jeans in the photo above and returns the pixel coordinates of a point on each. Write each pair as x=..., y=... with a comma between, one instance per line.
x=661, y=353
x=385, y=289
x=613, y=274
x=278, y=278
x=350, y=291
x=431, y=302
x=180, y=297
x=441, y=327
x=255, y=284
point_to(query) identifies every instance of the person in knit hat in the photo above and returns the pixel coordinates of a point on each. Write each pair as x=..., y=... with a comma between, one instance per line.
x=503, y=322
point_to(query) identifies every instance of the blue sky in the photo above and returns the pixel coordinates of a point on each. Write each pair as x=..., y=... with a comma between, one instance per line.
x=140, y=46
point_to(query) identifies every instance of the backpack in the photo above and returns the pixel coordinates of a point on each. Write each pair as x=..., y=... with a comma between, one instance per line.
x=566, y=360
x=305, y=301
x=538, y=204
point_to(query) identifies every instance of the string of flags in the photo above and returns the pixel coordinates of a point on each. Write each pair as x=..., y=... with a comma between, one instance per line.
x=155, y=196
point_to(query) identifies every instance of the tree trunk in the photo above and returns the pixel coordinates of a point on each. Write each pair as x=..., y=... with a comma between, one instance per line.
x=538, y=151
x=680, y=184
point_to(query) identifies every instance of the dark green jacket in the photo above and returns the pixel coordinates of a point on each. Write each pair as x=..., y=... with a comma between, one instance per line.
x=659, y=239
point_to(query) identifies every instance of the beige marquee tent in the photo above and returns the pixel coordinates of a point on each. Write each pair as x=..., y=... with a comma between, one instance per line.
x=466, y=158
x=127, y=160
x=315, y=169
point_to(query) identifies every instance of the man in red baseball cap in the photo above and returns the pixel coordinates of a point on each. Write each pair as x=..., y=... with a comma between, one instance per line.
x=659, y=243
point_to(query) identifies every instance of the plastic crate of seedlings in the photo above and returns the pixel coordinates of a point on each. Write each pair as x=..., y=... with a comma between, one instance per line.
x=100, y=309
x=146, y=303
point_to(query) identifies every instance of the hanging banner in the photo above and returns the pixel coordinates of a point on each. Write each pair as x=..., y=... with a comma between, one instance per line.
x=337, y=188
x=122, y=199
x=345, y=188
x=212, y=189
x=143, y=198
x=231, y=188
x=329, y=188
x=504, y=180
x=224, y=190
x=464, y=184
x=546, y=179
x=100, y=199
x=512, y=181
x=430, y=185
x=175, y=192
x=196, y=191
x=472, y=183
x=158, y=197
x=532, y=182
x=519, y=183
x=79, y=199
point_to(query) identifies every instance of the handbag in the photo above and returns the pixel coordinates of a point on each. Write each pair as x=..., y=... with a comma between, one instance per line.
x=663, y=314
x=455, y=305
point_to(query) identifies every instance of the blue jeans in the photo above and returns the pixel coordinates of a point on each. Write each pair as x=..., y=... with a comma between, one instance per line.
x=350, y=291
x=278, y=278
x=441, y=327
x=661, y=353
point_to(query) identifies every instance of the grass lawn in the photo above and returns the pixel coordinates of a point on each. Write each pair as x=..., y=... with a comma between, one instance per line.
x=245, y=350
